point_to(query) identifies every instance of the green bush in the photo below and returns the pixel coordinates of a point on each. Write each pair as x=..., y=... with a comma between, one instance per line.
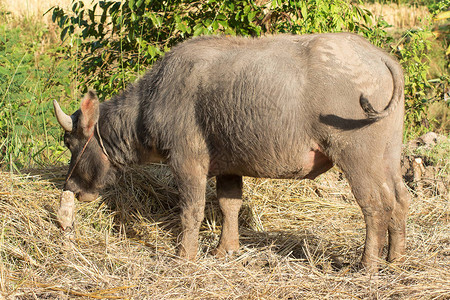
x=412, y=52
x=433, y=5
x=116, y=41
x=436, y=6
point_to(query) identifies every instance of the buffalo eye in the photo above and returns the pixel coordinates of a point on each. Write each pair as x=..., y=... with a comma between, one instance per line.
x=67, y=141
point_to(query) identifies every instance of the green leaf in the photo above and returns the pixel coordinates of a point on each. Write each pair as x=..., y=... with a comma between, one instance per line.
x=64, y=33
x=198, y=31
x=251, y=16
x=247, y=9
x=141, y=41
x=139, y=3
x=224, y=23
x=367, y=19
x=181, y=27
x=215, y=25
x=424, y=76
x=339, y=24
x=304, y=10
x=156, y=20
x=207, y=22
x=151, y=50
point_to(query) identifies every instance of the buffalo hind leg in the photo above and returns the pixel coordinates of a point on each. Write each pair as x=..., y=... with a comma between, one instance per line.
x=229, y=194
x=191, y=178
x=376, y=199
x=397, y=224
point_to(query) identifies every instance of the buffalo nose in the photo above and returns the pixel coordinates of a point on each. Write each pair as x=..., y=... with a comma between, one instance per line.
x=87, y=197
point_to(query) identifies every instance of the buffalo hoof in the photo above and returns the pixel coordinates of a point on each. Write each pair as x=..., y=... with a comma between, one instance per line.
x=396, y=258
x=87, y=197
x=371, y=267
x=187, y=255
x=222, y=252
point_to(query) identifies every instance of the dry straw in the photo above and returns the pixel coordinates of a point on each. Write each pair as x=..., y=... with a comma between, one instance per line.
x=400, y=16
x=33, y=8
x=300, y=240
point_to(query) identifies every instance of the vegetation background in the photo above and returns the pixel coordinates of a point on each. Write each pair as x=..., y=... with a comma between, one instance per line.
x=107, y=44
x=299, y=238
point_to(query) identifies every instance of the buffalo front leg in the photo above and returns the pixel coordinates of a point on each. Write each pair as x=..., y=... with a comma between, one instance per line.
x=192, y=187
x=229, y=194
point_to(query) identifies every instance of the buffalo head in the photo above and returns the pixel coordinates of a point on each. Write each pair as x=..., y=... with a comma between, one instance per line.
x=90, y=168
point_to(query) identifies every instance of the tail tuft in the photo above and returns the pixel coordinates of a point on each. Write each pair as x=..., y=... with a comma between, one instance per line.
x=368, y=109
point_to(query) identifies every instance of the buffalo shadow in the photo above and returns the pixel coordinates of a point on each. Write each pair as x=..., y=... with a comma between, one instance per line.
x=345, y=124
x=150, y=194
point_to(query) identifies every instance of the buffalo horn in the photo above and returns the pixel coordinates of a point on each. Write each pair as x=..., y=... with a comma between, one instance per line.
x=64, y=120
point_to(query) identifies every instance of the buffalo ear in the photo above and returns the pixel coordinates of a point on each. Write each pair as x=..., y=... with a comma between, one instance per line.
x=89, y=112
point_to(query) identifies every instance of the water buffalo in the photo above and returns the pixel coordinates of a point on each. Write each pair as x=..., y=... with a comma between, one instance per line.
x=282, y=106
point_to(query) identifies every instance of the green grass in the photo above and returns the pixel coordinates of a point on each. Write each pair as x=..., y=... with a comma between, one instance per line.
x=438, y=154
x=33, y=71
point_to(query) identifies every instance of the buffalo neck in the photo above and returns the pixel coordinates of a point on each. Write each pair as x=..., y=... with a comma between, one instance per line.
x=118, y=130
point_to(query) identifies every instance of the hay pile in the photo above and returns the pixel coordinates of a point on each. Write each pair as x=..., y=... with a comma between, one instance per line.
x=300, y=239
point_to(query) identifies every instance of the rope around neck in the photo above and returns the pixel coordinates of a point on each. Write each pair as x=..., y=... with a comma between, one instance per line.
x=79, y=156
x=101, y=142
x=84, y=148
